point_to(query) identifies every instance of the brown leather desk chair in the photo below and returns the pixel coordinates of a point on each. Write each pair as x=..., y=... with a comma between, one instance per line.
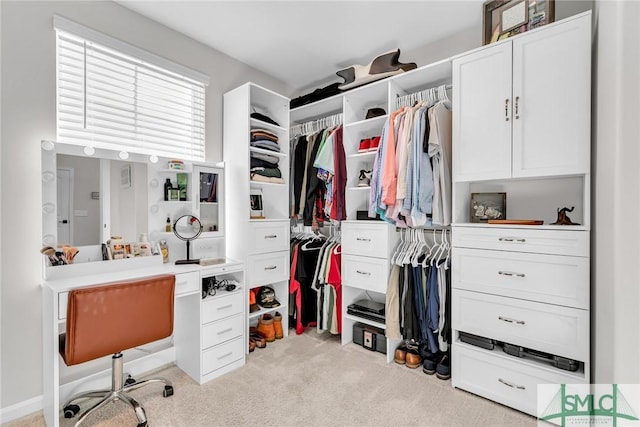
x=108, y=319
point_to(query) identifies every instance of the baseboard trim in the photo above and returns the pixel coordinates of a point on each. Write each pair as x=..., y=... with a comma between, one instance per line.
x=21, y=409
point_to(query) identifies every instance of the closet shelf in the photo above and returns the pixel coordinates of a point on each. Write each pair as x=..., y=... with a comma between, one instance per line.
x=361, y=155
x=321, y=108
x=363, y=320
x=259, y=124
x=366, y=123
x=282, y=308
x=269, y=152
x=536, y=227
x=172, y=171
x=266, y=184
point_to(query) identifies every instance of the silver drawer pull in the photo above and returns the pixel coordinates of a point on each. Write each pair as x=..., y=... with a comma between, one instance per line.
x=510, y=274
x=364, y=273
x=225, y=307
x=519, y=387
x=225, y=331
x=506, y=319
x=511, y=239
x=271, y=236
x=273, y=267
x=225, y=355
x=362, y=239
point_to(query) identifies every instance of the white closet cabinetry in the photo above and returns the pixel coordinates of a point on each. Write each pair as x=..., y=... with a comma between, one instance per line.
x=527, y=134
x=263, y=244
x=525, y=105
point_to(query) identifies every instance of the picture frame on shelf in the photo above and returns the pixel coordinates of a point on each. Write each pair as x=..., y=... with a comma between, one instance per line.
x=256, y=206
x=486, y=206
x=502, y=19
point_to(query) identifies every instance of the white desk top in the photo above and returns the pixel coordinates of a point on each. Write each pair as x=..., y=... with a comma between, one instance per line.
x=111, y=271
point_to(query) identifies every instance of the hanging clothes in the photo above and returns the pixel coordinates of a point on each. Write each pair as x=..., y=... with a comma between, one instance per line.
x=302, y=296
x=411, y=186
x=417, y=305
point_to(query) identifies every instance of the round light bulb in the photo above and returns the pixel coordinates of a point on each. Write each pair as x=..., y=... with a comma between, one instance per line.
x=89, y=151
x=123, y=155
x=153, y=158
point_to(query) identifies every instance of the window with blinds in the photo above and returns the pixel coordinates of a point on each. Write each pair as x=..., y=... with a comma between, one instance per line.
x=109, y=99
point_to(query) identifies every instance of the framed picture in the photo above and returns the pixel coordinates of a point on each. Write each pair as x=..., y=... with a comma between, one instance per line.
x=255, y=200
x=505, y=18
x=486, y=206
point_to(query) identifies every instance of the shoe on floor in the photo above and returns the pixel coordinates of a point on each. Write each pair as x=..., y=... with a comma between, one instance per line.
x=252, y=344
x=400, y=356
x=443, y=370
x=413, y=359
x=430, y=362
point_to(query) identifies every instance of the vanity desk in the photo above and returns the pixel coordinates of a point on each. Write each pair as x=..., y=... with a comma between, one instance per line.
x=208, y=338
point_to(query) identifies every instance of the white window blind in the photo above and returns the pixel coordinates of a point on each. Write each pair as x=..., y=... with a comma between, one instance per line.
x=110, y=99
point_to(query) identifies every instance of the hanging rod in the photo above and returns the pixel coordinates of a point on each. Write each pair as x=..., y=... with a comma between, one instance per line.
x=435, y=93
x=314, y=126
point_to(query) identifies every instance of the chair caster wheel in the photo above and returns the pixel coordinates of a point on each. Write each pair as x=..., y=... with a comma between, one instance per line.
x=168, y=391
x=130, y=380
x=71, y=411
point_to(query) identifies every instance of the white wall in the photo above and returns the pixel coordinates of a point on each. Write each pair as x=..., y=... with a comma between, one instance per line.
x=28, y=115
x=616, y=153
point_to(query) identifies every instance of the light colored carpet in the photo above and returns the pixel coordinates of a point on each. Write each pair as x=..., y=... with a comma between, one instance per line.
x=307, y=380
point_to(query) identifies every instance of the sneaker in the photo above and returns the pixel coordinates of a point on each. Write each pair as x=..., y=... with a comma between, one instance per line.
x=364, y=145
x=443, y=370
x=374, y=143
x=364, y=179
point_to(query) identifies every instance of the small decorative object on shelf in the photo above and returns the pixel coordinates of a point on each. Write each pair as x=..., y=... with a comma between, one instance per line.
x=167, y=189
x=182, y=185
x=563, y=218
x=486, y=206
x=383, y=65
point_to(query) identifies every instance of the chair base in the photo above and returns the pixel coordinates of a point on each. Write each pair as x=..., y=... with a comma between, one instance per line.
x=117, y=392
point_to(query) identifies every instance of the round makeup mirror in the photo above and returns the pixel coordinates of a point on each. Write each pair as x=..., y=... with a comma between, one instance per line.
x=187, y=228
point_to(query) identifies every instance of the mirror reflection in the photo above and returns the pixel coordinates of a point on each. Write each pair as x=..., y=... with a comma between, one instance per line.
x=99, y=198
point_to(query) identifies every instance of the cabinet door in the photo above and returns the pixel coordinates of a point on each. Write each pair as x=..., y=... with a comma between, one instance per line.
x=482, y=114
x=209, y=198
x=552, y=100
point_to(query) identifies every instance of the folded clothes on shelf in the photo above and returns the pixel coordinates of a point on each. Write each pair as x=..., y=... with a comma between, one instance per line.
x=266, y=145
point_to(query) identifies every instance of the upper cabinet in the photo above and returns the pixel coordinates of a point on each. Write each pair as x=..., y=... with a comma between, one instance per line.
x=526, y=105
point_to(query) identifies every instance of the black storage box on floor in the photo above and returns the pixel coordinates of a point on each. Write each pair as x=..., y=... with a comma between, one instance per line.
x=370, y=337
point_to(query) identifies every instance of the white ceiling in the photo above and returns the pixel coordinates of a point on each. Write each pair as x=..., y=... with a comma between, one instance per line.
x=302, y=42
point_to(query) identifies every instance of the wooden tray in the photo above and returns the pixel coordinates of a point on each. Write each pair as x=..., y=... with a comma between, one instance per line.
x=516, y=221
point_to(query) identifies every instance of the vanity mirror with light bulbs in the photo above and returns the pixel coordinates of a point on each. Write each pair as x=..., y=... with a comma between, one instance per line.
x=91, y=194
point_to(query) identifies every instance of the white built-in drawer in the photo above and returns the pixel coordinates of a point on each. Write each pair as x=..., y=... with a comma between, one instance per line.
x=553, y=242
x=269, y=237
x=268, y=268
x=368, y=239
x=222, y=355
x=504, y=379
x=221, y=331
x=187, y=282
x=367, y=273
x=555, y=279
x=554, y=329
x=222, y=306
